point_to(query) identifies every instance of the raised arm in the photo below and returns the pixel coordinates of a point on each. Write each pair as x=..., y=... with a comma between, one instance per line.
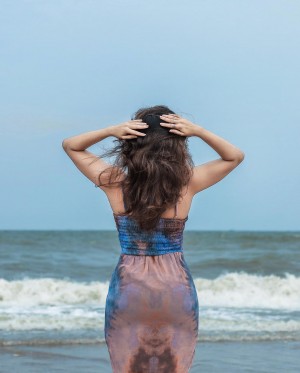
x=86, y=162
x=211, y=172
x=90, y=164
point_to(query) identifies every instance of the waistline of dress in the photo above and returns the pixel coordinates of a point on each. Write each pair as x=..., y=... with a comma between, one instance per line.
x=147, y=252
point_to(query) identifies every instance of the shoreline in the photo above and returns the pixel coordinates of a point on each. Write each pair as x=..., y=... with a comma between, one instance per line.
x=214, y=357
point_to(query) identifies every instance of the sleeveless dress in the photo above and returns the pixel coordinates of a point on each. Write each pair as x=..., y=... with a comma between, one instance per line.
x=151, y=310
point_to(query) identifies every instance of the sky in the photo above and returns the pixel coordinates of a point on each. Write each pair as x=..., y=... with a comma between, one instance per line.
x=69, y=67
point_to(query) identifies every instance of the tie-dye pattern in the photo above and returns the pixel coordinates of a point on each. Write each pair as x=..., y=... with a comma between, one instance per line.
x=152, y=312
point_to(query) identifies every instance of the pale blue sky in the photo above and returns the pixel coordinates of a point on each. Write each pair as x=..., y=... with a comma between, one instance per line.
x=73, y=66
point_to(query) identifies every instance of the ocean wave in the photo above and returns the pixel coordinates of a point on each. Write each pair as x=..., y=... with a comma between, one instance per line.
x=50, y=291
x=240, y=289
x=236, y=289
x=263, y=337
x=211, y=321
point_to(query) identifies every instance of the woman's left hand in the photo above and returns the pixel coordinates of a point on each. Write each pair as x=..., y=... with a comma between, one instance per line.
x=179, y=125
x=127, y=130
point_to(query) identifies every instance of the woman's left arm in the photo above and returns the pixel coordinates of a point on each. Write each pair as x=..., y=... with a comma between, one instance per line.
x=88, y=163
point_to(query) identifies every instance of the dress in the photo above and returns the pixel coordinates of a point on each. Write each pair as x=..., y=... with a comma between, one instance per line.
x=151, y=311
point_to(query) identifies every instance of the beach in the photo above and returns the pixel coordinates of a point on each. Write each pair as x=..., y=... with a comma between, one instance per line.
x=221, y=357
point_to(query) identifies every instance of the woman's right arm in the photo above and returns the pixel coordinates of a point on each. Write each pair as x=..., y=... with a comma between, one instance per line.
x=211, y=172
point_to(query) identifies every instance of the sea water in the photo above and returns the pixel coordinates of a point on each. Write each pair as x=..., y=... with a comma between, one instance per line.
x=53, y=285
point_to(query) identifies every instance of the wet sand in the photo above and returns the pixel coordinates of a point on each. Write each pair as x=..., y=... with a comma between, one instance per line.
x=217, y=357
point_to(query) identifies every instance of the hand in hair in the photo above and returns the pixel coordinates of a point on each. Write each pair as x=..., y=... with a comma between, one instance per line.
x=127, y=130
x=179, y=125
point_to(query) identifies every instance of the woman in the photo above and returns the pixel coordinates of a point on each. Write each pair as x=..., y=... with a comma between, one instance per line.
x=152, y=311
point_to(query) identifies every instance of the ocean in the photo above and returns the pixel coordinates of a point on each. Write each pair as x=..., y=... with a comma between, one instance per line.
x=53, y=286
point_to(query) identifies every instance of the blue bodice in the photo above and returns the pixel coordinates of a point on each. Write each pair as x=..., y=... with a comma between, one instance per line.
x=166, y=238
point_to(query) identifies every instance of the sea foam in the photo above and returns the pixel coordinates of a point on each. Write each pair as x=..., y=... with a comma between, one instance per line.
x=240, y=290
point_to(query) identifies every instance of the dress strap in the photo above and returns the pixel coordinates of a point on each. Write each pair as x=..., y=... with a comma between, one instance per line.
x=123, y=197
x=175, y=210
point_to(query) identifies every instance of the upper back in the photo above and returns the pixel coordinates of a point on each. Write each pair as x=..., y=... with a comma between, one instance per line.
x=178, y=211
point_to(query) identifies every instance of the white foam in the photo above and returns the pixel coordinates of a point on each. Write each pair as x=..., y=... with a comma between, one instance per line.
x=62, y=319
x=234, y=306
x=212, y=322
x=49, y=291
x=239, y=290
x=242, y=290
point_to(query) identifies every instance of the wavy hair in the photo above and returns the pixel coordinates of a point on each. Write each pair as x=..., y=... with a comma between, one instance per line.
x=156, y=168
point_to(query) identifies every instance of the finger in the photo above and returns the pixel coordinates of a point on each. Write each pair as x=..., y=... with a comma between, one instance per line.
x=133, y=132
x=139, y=125
x=129, y=137
x=171, y=115
x=177, y=132
x=167, y=119
x=169, y=125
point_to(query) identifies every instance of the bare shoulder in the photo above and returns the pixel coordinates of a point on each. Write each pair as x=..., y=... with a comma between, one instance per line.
x=111, y=181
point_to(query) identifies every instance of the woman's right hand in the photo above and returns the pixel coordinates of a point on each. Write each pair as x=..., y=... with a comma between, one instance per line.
x=183, y=127
x=128, y=129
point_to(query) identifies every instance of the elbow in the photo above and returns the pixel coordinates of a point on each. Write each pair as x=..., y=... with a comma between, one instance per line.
x=240, y=157
x=64, y=144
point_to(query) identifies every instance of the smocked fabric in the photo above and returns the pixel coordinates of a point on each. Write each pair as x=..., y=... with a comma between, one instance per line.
x=167, y=238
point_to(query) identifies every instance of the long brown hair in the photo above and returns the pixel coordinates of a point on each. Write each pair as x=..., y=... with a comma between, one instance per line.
x=156, y=167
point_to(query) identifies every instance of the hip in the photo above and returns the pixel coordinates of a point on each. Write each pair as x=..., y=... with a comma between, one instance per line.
x=151, y=281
